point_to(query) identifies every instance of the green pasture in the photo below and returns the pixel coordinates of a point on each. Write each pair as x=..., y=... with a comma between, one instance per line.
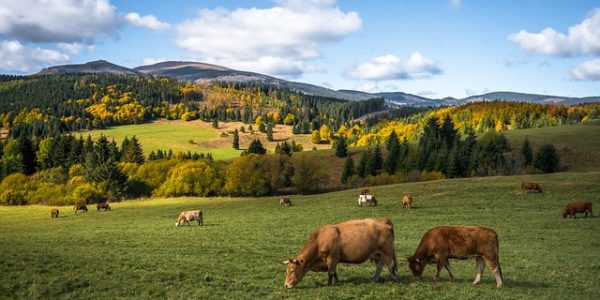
x=135, y=251
x=165, y=135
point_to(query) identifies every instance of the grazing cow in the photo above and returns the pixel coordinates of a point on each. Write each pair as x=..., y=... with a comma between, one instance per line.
x=407, y=201
x=367, y=199
x=285, y=201
x=578, y=207
x=527, y=186
x=103, y=205
x=80, y=206
x=352, y=242
x=187, y=216
x=54, y=213
x=459, y=242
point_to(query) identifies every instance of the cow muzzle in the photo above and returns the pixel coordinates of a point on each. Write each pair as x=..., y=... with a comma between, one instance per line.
x=288, y=285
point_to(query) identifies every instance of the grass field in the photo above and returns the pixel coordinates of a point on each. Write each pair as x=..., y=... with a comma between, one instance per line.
x=135, y=251
x=199, y=136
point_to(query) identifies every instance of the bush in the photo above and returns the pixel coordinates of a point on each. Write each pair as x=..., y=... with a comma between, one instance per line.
x=309, y=175
x=547, y=159
x=154, y=173
x=191, y=178
x=87, y=193
x=48, y=193
x=13, y=189
x=248, y=176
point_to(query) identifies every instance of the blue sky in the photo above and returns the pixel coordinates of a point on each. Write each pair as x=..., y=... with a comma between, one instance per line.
x=432, y=48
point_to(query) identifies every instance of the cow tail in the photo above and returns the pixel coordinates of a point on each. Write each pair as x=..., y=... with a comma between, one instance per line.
x=395, y=267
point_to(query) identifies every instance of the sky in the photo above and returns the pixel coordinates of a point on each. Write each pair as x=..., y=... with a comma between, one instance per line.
x=432, y=48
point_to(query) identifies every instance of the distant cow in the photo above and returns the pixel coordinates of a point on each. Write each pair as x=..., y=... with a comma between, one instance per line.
x=364, y=191
x=407, y=201
x=187, y=216
x=367, y=199
x=576, y=207
x=80, y=206
x=103, y=205
x=458, y=242
x=285, y=201
x=54, y=213
x=348, y=242
x=527, y=186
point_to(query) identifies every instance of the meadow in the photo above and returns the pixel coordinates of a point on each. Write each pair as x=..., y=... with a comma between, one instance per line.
x=135, y=251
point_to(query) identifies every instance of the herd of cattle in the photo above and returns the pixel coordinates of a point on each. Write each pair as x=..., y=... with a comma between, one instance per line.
x=357, y=241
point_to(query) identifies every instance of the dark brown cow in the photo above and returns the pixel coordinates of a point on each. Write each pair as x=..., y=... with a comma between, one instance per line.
x=582, y=207
x=54, y=213
x=285, y=201
x=407, y=201
x=80, y=206
x=103, y=205
x=527, y=186
x=458, y=242
x=352, y=242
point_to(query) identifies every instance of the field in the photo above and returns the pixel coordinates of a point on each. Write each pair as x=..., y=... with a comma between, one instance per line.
x=135, y=251
x=199, y=136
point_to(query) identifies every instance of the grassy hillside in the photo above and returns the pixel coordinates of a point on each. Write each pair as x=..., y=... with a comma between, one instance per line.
x=135, y=251
x=199, y=136
x=579, y=145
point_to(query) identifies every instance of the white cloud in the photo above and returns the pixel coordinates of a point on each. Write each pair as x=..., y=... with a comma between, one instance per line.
x=149, y=21
x=589, y=70
x=390, y=67
x=65, y=21
x=280, y=40
x=75, y=48
x=14, y=56
x=582, y=39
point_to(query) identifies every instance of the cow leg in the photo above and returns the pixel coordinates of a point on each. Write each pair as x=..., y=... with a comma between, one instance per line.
x=494, y=266
x=480, y=265
x=378, y=267
x=448, y=268
x=331, y=271
x=390, y=262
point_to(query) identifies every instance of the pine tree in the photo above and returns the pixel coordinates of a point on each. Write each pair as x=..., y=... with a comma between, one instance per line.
x=256, y=147
x=527, y=152
x=377, y=160
x=215, y=123
x=341, y=147
x=362, y=164
x=391, y=161
x=27, y=154
x=547, y=159
x=236, y=139
x=269, y=132
x=348, y=169
x=391, y=140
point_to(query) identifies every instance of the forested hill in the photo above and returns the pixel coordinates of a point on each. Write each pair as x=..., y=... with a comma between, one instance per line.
x=44, y=105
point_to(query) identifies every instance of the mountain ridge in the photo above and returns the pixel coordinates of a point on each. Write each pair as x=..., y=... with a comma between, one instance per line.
x=203, y=72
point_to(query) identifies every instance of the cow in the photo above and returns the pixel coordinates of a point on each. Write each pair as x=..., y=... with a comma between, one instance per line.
x=407, y=201
x=353, y=241
x=368, y=199
x=54, y=213
x=578, y=207
x=285, y=201
x=364, y=191
x=527, y=186
x=187, y=216
x=103, y=205
x=80, y=206
x=458, y=242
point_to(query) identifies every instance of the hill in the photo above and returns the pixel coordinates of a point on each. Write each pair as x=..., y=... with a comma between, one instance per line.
x=94, y=67
x=134, y=251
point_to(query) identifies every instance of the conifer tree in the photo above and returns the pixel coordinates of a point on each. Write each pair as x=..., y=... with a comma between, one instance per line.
x=391, y=161
x=527, y=153
x=348, y=169
x=362, y=164
x=269, y=132
x=547, y=159
x=215, y=123
x=236, y=139
x=341, y=147
x=256, y=147
x=377, y=160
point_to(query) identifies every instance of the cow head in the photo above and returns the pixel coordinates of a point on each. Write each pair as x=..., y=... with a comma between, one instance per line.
x=565, y=213
x=295, y=272
x=416, y=265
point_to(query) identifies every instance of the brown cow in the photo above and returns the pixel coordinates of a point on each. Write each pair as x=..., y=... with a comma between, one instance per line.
x=187, y=216
x=103, y=205
x=364, y=191
x=80, y=206
x=352, y=242
x=54, y=213
x=407, y=201
x=527, y=186
x=578, y=207
x=459, y=242
x=285, y=201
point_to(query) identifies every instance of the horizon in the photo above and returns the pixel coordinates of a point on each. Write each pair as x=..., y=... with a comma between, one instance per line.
x=445, y=48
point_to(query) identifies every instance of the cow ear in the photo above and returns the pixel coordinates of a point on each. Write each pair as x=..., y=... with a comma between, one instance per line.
x=418, y=260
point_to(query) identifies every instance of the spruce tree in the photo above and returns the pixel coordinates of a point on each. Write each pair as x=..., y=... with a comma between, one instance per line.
x=527, y=152
x=348, y=169
x=269, y=132
x=215, y=123
x=547, y=159
x=391, y=161
x=391, y=140
x=256, y=147
x=341, y=147
x=377, y=160
x=236, y=139
x=362, y=164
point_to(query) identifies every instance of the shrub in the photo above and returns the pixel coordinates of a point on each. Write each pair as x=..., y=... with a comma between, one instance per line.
x=547, y=159
x=13, y=189
x=191, y=178
x=248, y=176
